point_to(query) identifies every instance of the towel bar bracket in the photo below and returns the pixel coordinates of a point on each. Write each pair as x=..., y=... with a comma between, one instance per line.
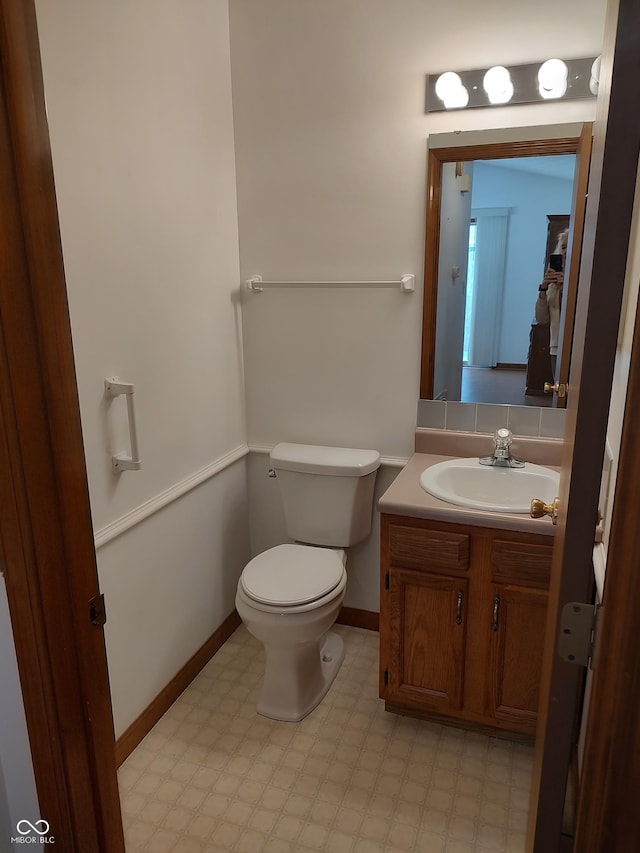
x=253, y=283
x=124, y=462
x=114, y=388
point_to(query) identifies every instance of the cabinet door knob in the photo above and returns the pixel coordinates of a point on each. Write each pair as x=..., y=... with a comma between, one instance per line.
x=496, y=612
x=459, y=608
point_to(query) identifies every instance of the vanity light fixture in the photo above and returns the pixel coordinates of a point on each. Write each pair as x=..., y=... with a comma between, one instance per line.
x=553, y=79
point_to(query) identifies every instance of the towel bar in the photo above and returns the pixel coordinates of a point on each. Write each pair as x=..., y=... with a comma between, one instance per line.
x=407, y=283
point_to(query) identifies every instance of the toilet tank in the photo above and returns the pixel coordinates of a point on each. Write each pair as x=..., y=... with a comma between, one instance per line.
x=327, y=492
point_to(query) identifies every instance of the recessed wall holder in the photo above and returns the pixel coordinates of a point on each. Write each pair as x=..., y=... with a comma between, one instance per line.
x=124, y=461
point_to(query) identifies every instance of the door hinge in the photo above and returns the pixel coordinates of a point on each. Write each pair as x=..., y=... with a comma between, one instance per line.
x=577, y=642
x=98, y=610
x=386, y=677
x=386, y=581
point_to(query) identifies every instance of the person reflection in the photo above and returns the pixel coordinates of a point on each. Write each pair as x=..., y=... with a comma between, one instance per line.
x=549, y=301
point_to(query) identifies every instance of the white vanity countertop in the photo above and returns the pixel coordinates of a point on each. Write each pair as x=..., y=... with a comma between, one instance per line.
x=405, y=496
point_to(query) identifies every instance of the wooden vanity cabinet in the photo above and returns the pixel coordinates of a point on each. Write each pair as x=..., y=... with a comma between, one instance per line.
x=462, y=621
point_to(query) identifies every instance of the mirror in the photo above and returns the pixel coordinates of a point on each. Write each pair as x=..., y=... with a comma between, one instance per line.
x=496, y=204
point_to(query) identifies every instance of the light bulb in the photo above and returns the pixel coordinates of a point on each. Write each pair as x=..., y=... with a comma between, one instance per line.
x=450, y=90
x=497, y=84
x=447, y=83
x=457, y=99
x=552, y=78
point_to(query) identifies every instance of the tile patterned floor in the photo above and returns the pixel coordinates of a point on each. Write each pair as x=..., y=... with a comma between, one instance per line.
x=351, y=778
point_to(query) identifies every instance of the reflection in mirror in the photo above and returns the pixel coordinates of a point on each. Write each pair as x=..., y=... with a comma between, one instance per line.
x=492, y=258
x=495, y=212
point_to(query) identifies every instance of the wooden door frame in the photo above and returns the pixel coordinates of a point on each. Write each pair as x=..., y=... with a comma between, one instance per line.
x=46, y=534
x=608, y=817
x=608, y=220
x=576, y=231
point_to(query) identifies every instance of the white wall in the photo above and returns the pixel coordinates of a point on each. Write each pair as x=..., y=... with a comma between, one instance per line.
x=330, y=155
x=530, y=198
x=139, y=106
x=18, y=797
x=330, y=134
x=169, y=582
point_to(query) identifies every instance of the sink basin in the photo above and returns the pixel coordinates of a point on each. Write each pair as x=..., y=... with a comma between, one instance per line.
x=465, y=482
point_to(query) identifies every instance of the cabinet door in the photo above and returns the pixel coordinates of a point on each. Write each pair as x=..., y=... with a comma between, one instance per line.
x=517, y=622
x=427, y=621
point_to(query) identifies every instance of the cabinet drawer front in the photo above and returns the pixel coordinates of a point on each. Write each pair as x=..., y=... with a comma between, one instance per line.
x=521, y=563
x=433, y=550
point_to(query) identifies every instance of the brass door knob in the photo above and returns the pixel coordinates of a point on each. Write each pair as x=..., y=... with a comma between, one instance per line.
x=539, y=509
x=559, y=387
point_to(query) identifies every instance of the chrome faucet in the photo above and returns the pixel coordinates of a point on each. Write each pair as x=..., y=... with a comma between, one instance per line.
x=501, y=454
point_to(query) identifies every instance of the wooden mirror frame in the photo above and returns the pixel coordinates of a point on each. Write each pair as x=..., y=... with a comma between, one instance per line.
x=437, y=157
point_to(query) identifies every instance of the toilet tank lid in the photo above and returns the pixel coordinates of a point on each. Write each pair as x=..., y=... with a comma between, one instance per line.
x=315, y=459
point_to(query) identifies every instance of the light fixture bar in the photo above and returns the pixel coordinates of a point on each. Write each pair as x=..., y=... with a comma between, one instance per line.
x=468, y=90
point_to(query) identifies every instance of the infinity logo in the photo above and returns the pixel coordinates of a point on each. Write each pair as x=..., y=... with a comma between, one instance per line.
x=30, y=827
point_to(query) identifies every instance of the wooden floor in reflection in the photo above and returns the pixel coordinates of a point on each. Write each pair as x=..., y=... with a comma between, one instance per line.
x=499, y=385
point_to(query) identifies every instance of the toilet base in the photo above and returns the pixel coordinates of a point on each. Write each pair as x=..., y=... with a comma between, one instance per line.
x=297, y=679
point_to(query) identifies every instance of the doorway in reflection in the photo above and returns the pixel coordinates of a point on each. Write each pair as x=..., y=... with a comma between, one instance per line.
x=506, y=258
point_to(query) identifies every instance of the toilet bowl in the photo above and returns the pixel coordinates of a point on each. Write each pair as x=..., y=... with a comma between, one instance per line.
x=288, y=598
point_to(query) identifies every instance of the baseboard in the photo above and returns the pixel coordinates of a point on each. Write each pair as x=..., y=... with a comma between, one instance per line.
x=508, y=365
x=359, y=618
x=141, y=727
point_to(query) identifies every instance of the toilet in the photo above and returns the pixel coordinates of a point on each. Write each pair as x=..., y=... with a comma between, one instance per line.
x=290, y=595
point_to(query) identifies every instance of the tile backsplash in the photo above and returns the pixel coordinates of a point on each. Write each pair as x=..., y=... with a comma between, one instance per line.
x=487, y=417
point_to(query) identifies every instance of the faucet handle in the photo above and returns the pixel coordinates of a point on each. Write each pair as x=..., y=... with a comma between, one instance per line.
x=503, y=437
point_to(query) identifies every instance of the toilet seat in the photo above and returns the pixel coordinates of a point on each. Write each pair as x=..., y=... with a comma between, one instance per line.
x=292, y=575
